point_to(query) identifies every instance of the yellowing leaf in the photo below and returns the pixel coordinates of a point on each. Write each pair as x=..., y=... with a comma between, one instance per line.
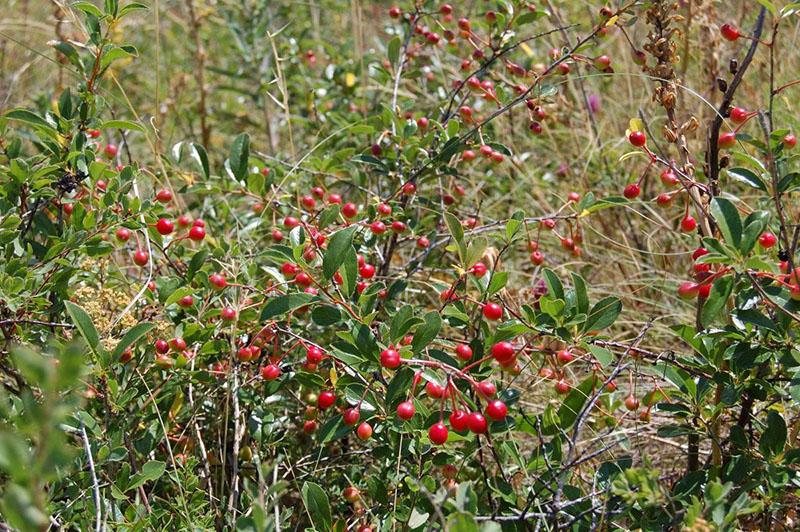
x=526, y=49
x=334, y=376
x=636, y=125
x=349, y=79
x=631, y=154
x=613, y=20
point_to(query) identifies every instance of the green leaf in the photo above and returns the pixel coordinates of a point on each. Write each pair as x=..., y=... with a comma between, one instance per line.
x=728, y=221
x=130, y=338
x=240, y=155
x=283, y=304
x=770, y=7
x=427, y=332
x=336, y=253
x=151, y=471
x=88, y=7
x=573, y=404
x=23, y=115
x=720, y=292
x=461, y=522
x=789, y=182
x=773, y=439
x=457, y=231
x=318, y=506
x=748, y=177
x=122, y=124
x=581, y=297
x=497, y=283
x=554, y=286
x=133, y=6
x=393, y=50
x=200, y=157
x=84, y=324
x=603, y=314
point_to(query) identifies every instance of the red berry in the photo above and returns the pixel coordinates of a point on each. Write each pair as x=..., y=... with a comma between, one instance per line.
x=406, y=410
x=464, y=352
x=270, y=372
x=390, y=358
x=434, y=390
x=492, y=311
x=563, y=386
x=409, y=189
x=309, y=426
x=141, y=257
x=326, y=399
x=197, y=233
x=477, y=423
x=565, y=356
x=631, y=403
x=164, y=195
x=486, y=389
x=398, y=227
x=767, y=240
x=364, y=431
x=496, y=410
x=367, y=271
x=164, y=226
x=351, y=416
x=669, y=178
x=438, y=433
x=377, y=228
x=537, y=258
x=503, y=352
x=729, y=32
x=123, y=234
x=688, y=224
x=110, y=151
x=314, y=354
x=478, y=270
x=459, y=420
x=228, y=314
x=161, y=346
x=303, y=279
x=308, y=202
x=632, y=191
x=789, y=141
x=184, y=221
x=384, y=209
x=186, y=301
x=688, y=290
x=738, y=115
x=349, y=210
x=218, y=280
x=637, y=138
x=395, y=12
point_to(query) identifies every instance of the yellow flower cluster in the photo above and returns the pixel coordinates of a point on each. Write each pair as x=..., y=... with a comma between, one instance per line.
x=104, y=305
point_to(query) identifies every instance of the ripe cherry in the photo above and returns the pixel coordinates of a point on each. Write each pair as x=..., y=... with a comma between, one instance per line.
x=434, y=390
x=738, y=115
x=377, y=228
x=123, y=234
x=161, y=347
x=477, y=423
x=326, y=399
x=406, y=410
x=384, y=209
x=367, y=271
x=349, y=210
x=141, y=258
x=218, y=280
x=664, y=199
x=565, y=356
x=496, y=410
x=308, y=202
x=351, y=416
x=423, y=242
x=492, y=311
x=164, y=195
x=464, y=352
x=164, y=226
x=314, y=354
x=409, y=189
x=688, y=224
x=398, y=226
x=309, y=426
x=767, y=240
x=228, y=314
x=637, y=138
x=459, y=420
x=270, y=372
x=197, y=233
x=503, y=352
x=303, y=279
x=438, y=433
x=334, y=199
x=390, y=358
x=186, y=301
x=669, y=178
x=574, y=197
x=184, y=221
x=789, y=141
x=478, y=269
x=632, y=191
x=110, y=151
x=537, y=258
x=704, y=291
x=729, y=32
x=395, y=12
x=563, y=386
x=244, y=354
x=486, y=388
